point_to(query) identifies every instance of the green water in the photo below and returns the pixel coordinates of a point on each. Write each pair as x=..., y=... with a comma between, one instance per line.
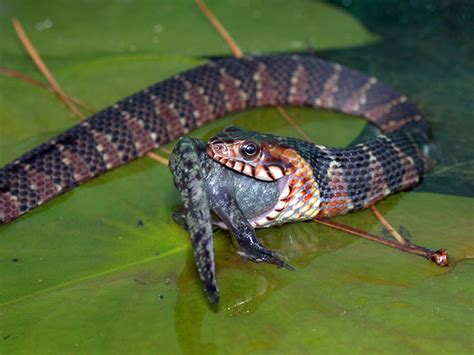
x=427, y=52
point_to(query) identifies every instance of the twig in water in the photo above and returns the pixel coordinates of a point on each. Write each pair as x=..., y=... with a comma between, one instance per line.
x=53, y=84
x=43, y=68
x=439, y=257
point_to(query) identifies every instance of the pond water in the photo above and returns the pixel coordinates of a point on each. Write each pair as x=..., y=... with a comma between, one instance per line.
x=428, y=51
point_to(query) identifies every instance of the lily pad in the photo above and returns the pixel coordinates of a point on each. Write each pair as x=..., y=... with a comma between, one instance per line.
x=343, y=293
x=104, y=269
x=83, y=29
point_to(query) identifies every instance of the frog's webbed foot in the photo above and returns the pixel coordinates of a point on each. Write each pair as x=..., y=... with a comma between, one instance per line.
x=259, y=253
x=188, y=177
x=251, y=248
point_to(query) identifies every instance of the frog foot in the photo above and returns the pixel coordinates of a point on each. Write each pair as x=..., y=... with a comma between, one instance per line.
x=258, y=253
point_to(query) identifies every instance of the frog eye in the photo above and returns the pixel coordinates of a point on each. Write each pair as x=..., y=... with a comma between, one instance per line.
x=249, y=150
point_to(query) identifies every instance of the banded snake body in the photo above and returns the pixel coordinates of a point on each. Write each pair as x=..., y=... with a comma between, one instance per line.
x=247, y=179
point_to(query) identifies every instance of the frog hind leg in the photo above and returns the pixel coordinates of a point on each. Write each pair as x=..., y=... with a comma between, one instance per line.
x=188, y=178
x=224, y=204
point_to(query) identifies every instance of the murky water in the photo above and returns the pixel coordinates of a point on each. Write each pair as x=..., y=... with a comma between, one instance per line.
x=427, y=52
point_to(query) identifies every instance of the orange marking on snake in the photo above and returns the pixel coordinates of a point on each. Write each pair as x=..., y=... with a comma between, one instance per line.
x=10, y=207
x=42, y=184
x=266, y=91
x=142, y=138
x=110, y=154
x=77, y=164
x=235, y=98
x=170, y=116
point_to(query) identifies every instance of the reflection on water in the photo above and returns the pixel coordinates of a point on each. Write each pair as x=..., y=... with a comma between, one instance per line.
x=246, y=285
x=189, y=311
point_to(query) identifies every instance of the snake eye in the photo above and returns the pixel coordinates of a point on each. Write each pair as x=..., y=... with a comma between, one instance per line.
x=249, y=150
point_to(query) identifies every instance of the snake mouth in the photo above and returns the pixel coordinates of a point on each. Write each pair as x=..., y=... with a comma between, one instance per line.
x=250, y=153
x=221, y=153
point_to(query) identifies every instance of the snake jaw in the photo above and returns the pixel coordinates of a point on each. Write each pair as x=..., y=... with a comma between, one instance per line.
x=270, y=160
x=256, y=155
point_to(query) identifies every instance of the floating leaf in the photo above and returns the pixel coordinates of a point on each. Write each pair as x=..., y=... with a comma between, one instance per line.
x=84, y=29
x=104, y=269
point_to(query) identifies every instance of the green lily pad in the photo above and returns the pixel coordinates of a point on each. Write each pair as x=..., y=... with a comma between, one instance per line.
x=103, y=269
x=343, y=293
x=84, y=29
x=98, y=82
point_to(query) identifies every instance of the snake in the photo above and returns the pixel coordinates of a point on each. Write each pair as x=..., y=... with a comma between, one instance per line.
x=274, y=179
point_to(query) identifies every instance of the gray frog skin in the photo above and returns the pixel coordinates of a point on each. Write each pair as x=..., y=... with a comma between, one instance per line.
x=206, y=186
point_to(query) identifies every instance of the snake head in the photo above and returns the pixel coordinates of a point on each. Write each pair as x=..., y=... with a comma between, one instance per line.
x=257, y=155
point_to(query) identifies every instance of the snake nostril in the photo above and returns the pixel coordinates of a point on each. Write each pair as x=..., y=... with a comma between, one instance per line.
x=219, y=147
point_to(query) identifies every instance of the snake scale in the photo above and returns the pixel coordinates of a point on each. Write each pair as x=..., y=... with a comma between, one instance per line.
x=348, y=179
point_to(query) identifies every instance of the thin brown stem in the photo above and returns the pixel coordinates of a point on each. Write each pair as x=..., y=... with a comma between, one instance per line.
x=439, y=257
x=158, y=158
x=165, y=150
x=53, y=84
x=17, y=75
x=292, y=122
x=43, y=68
x=393, y=232
x=23, y=77
x=237, y=52
x=310, y=47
